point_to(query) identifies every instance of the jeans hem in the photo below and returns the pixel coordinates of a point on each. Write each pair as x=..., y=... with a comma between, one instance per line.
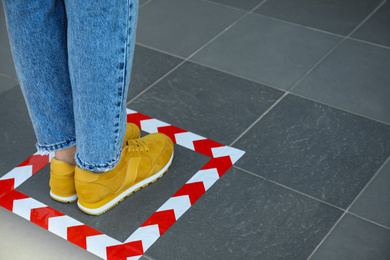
x=46, y=149
x=98, y=167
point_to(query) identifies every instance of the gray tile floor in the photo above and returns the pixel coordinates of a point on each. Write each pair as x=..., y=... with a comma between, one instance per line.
x=302, y=86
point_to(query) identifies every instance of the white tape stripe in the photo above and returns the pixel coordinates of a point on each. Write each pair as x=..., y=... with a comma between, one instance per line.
x=179, y=205
x=235, y=154
x=19, y=174
x=148, y=235
x=207, y=177
x=130, y=111
x=187, y=139
x=98, y=244
x=134, y=257
x=23, y=207
x=151, y=125
x=59, y=225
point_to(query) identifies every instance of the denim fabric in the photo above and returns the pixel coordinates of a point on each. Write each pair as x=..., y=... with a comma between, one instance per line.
x=73, y=59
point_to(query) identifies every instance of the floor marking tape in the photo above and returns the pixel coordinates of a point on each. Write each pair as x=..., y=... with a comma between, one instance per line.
x=222, y=159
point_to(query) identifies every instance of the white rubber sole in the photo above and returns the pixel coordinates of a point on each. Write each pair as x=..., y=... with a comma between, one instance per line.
x=63, y=199
x=126, y=193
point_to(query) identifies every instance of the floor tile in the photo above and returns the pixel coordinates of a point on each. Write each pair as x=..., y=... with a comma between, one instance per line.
x=182, y=26
x=355, y=77
x=244, y=217
x=315, y=149
x=6, y=83
x=207, y=102
x=242, y=4
x=376, y=29
x=267, y=50
x=339, y=17
x=356, y=239
x=374, y=203
x=6, y=62
x=148, y=66
x=122, y=220
x=20, y=239
x=16, y=132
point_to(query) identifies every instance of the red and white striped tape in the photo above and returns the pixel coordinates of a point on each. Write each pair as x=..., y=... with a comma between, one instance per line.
x=222, y=158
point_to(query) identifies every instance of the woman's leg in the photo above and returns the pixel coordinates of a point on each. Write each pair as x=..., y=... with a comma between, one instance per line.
x=101, y=40
x=37, y=32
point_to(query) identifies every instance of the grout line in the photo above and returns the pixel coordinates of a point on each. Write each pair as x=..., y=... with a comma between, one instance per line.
x=368, y=183
x=223, y=5
x=369, y=221
x=147, y=257
x=365, y=20
x=236, y=75
x=347, y=210
x=336, y=46
x=289, y=188
x=194, y=53
x=340, y=109
x=9, y=89
x=161, y=51
x=370, y=43
x=316, y=64
x=299, y=25
x=154, y=83
x=327, y=235
x=147, y=2
x=6, y=75
x=261, y=117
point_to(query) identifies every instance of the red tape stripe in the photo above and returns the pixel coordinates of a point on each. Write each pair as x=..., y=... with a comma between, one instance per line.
x=164, y=220
x=78, y=235
x=40, y=216
x=37, y=162
x=194, y=190
x=122, y=252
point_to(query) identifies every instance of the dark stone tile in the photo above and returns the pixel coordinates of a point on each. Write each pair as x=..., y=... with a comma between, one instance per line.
x=142, y=2
x=182, y=26
x=374, y=203
x=207, y=102
x=355, y=77
x=245, y=217
x=148, y=66
x=242, y=4
x=354, y=238
x=267, y=50
x=376, y=29
x=16, y=132
x=122, y=220
x=339, y=17
x=316, y=149
x=6, y=62
x=6, y=83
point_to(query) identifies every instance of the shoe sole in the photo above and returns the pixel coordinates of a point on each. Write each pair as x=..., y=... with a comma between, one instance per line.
x=118, y=198
x=63, y=199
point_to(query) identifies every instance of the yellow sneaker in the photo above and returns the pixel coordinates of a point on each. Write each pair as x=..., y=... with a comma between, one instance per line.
x=61, y=183
x=143, y=161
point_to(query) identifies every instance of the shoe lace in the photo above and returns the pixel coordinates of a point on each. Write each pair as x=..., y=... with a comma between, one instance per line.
x=137, y=146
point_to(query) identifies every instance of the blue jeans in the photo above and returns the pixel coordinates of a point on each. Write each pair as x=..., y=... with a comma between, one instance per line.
x=73, y=60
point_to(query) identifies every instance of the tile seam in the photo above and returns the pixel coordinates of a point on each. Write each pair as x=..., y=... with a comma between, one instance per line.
x=290, y=189
x=260, y=117
x=340, y=109
x=369, y=221
x=9, y=88
x=336, y=46
x=349, y=207
x=187, y=58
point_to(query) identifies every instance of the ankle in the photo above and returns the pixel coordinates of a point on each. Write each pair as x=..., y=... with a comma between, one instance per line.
x=67, y=155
